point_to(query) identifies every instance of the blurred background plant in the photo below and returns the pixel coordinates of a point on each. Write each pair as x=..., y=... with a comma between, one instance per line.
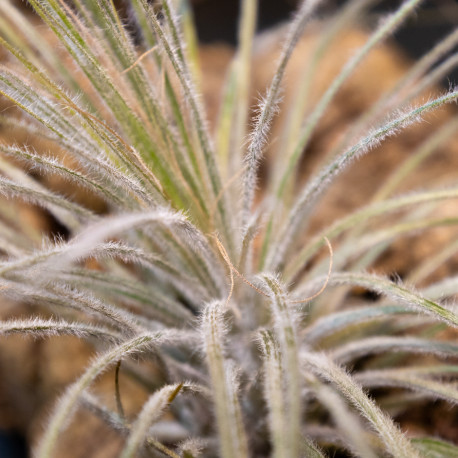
x=230, y=250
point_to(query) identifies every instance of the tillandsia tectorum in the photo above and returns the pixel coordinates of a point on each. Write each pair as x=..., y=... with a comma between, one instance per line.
x=197, y=261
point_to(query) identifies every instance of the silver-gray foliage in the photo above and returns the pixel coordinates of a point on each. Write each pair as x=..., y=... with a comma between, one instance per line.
x=196, y=274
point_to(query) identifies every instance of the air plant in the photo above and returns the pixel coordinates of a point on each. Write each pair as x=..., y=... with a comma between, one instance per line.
x=250, y=319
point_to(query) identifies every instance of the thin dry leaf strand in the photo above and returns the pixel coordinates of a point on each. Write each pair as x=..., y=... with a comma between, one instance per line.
x=232, y=268
x=139, y=59
x=225, y=256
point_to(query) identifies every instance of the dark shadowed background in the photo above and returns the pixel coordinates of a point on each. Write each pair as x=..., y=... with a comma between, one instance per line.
x=217, y=20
